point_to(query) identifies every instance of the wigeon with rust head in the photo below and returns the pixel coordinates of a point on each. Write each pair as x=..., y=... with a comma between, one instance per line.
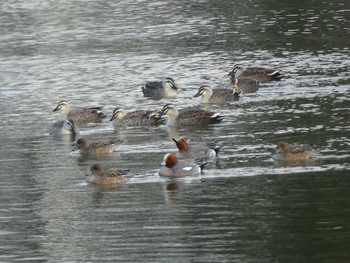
x=174, y=167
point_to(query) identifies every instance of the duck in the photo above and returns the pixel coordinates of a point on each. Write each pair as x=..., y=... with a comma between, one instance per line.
x=92, y=114
x=100, y=147
x=199, y=151
x=190, y=116
x=245, y=85
x=105, y=176
x=63, y=127
x=258, y=73
x=216, y=95
x=122, y=117
x=174, y=167
x=286, y=152
x=161, y=89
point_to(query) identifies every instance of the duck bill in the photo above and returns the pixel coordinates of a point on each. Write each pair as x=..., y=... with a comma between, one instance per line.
x=54, y=110
x=176, y=88
x=176, y=141
x=196, y=95
x=75, y=148
x=229, y=74
x=112, y=118
x=75, y=131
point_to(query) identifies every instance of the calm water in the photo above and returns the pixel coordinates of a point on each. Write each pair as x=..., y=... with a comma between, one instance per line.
x=245, y=207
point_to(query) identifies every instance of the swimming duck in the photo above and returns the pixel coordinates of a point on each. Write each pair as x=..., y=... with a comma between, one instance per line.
x=175, y=167
x=258, y=73
x=287, y=152
x=245, y=85
x=101, y=147
x=105, y=176
x=63, y=127
x=92, y=114
x=216, y=95
x=198, y=151
x=136, y=118
x=189, y=116
x=161, y=89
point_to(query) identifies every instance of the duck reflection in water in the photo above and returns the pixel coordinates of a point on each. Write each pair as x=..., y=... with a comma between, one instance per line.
x=172, y=190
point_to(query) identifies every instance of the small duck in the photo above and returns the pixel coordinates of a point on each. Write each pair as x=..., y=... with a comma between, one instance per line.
x=105, y=176
x=174, y=167
x=161, y=89
x=258, y=73
x=216, y=95
x=63, y=127
x=287, y=152
x=189, y=116
x=92, y=114
x=136, y=118
x=245, y=85
x=101, y=147
x=199, y=151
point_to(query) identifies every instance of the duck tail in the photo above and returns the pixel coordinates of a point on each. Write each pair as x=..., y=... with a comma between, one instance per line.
x=123, y=172
x=214, y=146
x=276, y=75
x=216, y=118
x=118, y=142
x=201, y=163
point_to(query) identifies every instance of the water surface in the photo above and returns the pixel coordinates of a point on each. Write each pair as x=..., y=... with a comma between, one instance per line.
x=245, y=207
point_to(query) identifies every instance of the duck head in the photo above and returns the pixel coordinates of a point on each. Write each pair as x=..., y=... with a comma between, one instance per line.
x=181, y=144
x=170, y=160
x=82, y=143
x=62, y=106
x=282, y=147
x=170, y=110
x=118, y=114
x=204, y=91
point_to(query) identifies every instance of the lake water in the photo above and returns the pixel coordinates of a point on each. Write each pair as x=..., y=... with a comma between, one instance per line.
x=245, y=207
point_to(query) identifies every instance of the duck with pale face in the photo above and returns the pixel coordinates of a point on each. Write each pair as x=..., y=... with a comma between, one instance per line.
x=260, y=74
x=189, y=116
x=122, y=117
x=161, y=89
x=92, y=114
x=63, y=127
x=209, y=95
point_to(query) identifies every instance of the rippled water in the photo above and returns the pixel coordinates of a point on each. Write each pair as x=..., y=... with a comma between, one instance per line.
x=245, y=207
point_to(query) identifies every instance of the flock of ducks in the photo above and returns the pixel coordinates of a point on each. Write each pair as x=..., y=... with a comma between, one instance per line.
x=189, y=159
